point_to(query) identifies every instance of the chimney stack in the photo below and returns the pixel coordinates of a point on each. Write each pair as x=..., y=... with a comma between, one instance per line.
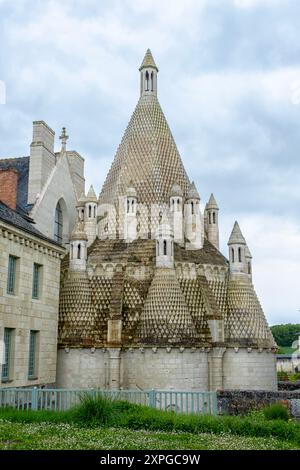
x=9, y=187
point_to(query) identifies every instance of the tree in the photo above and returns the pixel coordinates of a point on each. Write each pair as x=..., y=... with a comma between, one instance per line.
x=284, y=335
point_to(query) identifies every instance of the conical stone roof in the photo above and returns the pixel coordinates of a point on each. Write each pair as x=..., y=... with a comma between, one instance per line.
x=165, y=317
x=147, y=158
x=148, y=61
x=236, y=236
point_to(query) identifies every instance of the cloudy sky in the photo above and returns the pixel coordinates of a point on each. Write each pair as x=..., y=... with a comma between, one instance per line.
x=229, y=85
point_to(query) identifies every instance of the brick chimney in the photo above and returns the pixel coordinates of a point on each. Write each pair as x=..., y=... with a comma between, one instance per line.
x=9, y=187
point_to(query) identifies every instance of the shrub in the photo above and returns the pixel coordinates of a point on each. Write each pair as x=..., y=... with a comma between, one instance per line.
x=283, y=376
x=276, y=411
x=93, y=411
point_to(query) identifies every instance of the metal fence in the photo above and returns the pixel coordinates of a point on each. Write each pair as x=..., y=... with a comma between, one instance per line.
x=63, y=399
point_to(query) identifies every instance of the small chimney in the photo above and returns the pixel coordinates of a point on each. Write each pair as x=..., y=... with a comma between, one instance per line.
x=9, y=187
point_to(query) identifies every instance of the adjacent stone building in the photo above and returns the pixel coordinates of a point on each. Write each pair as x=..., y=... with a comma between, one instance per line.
x=147, y=300
x=45, y=187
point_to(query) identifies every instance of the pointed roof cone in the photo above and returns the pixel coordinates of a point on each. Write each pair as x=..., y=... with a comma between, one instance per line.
x=91, y=195
x=248, y=253
x=148, y=61
x=236, y=236
x=81, y=201
x=212, y=203
x=165, y=318
x=147, y=156
x=192, y=192
x=78, y=232
x=176, y=190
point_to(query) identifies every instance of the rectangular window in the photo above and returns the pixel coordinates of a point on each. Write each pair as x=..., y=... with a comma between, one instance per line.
x=32, y=368
x=36, y=281
x=7, y=354
x=11, y=275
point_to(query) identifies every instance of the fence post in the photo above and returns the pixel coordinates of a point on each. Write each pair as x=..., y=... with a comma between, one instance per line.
x=34, y=396
x=152, y=398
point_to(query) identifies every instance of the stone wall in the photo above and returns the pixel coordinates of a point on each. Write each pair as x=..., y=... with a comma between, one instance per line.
x=82, y=368
x=22, y=313
x=157, y=368
x=139, y=369
x=237, y=402
x=245, y=369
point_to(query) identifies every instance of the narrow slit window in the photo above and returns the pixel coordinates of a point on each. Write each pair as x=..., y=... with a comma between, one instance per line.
x=32, y=359
x=165, y=248
x=7, y=363
x=11, y=274
x=232, y=255
x=36, y=280
x=79, y=251
x=240, y=255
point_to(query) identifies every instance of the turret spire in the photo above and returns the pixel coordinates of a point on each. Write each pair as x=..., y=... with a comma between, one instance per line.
x=148, y=71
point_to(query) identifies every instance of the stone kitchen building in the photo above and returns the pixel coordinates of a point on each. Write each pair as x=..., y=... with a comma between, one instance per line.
x=147, y=300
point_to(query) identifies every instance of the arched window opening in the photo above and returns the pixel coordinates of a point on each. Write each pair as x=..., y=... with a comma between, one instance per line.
x=82, y=214
x=128, y=206
x=214, y=217
x=192, y=207
x=90, y=211
x=152, y=84
x=94, y=211
x=147, y=81
x=232, y=255
x=209, y=218
x=240, y=255
x=249, y=267
x=165, y=248
x=79, y=251
x=58, y=224
x=132, y=205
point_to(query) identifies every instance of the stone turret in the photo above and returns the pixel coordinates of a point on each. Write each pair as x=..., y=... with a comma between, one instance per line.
x=91, y=215
x=130, y=219
x=164, y=244
x=176, y=210
x=80, y=206
x=192, y=220
x=212, y=221
x=248, y=258
x=78, y=248
x=149, y=72
x=237, y=248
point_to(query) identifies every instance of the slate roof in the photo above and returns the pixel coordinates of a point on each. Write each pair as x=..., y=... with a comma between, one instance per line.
x=22, y=166
x=14, y=218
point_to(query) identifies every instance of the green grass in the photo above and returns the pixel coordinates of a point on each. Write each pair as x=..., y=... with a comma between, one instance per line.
x=105, y=420
x=46, y=436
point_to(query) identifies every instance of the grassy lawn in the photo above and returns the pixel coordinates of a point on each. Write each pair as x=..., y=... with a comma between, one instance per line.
x=33, y=436
x=100, y=424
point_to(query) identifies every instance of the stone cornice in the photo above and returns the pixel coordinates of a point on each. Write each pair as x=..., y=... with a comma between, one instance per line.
x=35, y=243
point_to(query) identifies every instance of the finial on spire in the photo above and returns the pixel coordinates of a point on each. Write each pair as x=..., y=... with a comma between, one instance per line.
x=63, y=137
